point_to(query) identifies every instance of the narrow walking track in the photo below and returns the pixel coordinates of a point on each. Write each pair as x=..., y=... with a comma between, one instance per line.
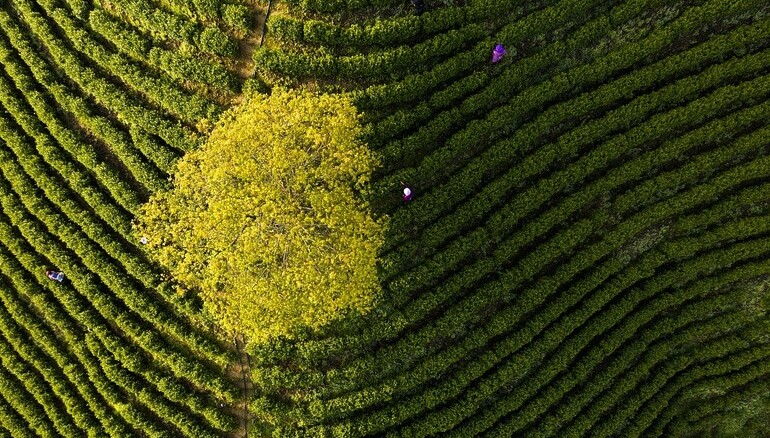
x=240, y=372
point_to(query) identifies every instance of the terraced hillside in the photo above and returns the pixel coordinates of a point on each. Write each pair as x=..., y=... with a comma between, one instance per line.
x=98, y=100
x=587, y=251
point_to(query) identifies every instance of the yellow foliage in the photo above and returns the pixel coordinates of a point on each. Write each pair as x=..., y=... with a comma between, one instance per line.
x=266, y=221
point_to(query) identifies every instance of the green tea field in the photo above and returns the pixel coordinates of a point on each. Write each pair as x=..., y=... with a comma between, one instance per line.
x=586, y=251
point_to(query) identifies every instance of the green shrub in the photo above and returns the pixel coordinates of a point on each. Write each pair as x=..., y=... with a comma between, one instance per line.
x=215, y=41
x=238, y=17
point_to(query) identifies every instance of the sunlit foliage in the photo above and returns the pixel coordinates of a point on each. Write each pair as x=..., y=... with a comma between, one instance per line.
x=267, y=221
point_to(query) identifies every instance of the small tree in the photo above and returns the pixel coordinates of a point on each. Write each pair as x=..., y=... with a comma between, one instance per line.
x=266, y=221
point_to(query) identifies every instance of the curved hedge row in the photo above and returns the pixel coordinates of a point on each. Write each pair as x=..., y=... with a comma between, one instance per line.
x=586, y=252
x=87, y=134
x=588, y=213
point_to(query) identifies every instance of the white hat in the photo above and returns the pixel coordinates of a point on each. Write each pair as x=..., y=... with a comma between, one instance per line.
x=143, y=240
x=407, y=191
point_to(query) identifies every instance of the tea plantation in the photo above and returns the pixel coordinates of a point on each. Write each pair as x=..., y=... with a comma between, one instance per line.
x=586, y=253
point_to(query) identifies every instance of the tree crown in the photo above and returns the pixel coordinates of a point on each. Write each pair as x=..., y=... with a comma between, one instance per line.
x=267, y=220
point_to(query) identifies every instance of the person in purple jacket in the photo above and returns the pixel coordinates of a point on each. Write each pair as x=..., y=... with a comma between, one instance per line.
x=53, y=275
x=407, y=194
x=498, y=53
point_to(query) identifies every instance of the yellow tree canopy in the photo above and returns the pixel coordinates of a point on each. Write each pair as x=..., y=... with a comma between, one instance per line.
x=266, y=221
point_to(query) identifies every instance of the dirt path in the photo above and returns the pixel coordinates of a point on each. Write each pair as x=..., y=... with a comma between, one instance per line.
x=240, y=373
x=245, y=67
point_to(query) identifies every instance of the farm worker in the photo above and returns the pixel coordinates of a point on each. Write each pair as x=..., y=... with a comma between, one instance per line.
x=143, y=240
x=407, y=194
x=498, y=53
x=53, y=275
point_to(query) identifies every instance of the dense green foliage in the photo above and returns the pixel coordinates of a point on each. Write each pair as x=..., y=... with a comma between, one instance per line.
x=587, y=251
x=591, y=218
x=93, y=118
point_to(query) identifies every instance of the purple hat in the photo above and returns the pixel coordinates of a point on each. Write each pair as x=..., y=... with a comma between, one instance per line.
x=498, y=53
